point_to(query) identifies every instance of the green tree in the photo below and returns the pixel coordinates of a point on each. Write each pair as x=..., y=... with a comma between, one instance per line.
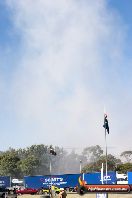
x=96, y=166
x=29, y=165
x=124, y=167
x=41, y=152
x=92, y=153
x=127, y=156
x=9, y=163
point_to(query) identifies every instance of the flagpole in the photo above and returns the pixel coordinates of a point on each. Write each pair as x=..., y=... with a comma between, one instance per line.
x=106, y=126
x=106, y=153
x=102, y=174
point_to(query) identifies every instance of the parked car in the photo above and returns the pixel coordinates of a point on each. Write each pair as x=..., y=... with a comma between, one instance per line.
x=56, y=189
x=27, y=191
x=46, y=190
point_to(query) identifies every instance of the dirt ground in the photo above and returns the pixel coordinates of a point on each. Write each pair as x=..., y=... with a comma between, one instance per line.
x=91, y=195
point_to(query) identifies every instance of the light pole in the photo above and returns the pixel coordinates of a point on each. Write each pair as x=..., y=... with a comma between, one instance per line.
x=52, y=152
x=51, y=173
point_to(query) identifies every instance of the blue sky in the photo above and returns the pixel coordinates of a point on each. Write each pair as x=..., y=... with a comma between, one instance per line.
x=124, y=10
x=60, y=64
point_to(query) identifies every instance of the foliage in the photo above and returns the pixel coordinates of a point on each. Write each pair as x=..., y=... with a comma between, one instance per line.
x=9, y=163
x=127, y=155
x=124, y=168
x=92, y=153
x=29, y=165
x=96, y=166
x=36, y=160
x=38, y=154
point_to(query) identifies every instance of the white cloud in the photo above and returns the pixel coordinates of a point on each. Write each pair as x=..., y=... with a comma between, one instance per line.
x=70, y=51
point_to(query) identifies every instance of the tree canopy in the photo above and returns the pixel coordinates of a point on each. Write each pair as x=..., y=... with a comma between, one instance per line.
x=36, y=160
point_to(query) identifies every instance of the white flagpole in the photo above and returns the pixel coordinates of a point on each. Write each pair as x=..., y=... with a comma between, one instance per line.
x=102, y=176
x=106, y=153
x=105, y=147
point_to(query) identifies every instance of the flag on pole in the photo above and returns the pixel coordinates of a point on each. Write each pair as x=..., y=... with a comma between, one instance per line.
x=106, y=125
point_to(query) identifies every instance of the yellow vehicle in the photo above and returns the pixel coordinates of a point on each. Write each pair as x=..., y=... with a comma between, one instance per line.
x=45, y=191
x=54, y=188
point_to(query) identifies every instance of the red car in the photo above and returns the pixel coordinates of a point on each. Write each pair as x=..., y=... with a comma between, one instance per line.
x=27, y=191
